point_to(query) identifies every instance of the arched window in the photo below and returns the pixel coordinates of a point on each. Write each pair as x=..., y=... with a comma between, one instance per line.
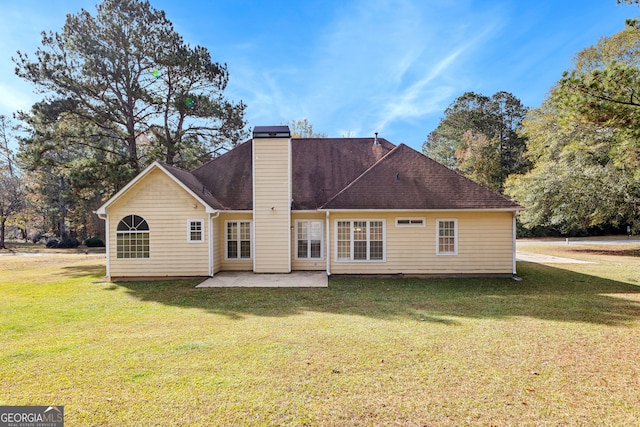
x=132, y=237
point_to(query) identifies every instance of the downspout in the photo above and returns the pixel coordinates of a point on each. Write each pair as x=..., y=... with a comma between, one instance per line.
x=105, y=218
x=328, y=244
x=253, y=205
x=513, y=251
x=211, y=243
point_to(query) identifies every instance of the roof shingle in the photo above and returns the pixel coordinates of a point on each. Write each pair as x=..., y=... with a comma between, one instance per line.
x=407, y=179
x=229, y=177
x=322, y=167
x=194, y=185
x=345, y=173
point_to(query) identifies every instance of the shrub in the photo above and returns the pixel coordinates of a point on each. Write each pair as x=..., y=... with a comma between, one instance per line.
x=63, y=243
x=94, y=242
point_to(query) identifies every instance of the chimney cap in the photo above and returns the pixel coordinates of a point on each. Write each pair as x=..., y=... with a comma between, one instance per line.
x=271, y=132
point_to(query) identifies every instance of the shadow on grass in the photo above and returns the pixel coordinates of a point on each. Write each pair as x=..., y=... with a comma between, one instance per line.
x=95, y=271
x=610, y=252
x=545, y=293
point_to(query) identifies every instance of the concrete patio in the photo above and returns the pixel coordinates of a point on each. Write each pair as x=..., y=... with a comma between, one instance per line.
x=245, y=279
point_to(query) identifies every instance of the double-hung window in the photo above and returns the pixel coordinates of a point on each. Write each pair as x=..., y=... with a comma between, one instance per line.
x=360, y=240
x=238, y=239
x=309, y=239
x=447, y=237
x=195, y=230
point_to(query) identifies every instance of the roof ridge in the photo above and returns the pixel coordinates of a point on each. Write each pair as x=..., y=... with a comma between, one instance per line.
x=167, y=165
x=352, y=183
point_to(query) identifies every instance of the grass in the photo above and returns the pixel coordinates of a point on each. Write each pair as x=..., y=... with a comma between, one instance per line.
x=559, y=347
x=19, y=248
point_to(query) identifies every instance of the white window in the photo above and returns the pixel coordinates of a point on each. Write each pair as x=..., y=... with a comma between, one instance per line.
x=309, y=239
x=132, y=237
x=238, y=240
x=195, y=230
x=410, y=222
x=447, y=237
x=360, y=240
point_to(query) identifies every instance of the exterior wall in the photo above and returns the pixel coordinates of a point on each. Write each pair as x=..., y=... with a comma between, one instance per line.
x=301, y=264
x=220, y=250
x=217, y=226
x=484, y=245
x=166, y=207
x=272, y=204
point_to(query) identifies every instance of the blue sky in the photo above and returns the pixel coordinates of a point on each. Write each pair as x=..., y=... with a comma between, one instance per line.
x=355, y=66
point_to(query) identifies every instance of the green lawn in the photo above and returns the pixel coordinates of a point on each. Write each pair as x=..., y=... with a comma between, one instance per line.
x=40, y=248
x=559, y=347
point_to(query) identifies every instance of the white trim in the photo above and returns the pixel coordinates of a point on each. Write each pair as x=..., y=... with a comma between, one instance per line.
x=212, y=244
x=295, y=239
x=289, y=200
x=147, y=232
x=107, y=239
x=351, y=249
x=328, y=245
x=210, y=248
x=127, y=258
x=253, y=210
x=102, y=210
x=364, y=211
x=412, y=222
x=202, y=231
x=226, y=240
x=455, y=236
x=513, y=250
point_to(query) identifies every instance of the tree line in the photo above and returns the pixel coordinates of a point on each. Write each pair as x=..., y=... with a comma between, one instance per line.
x=574, y=162
x=121, y=89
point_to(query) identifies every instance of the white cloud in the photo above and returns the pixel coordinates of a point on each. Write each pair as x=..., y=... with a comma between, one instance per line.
x=425, y=96
x=369, y=65
x=380, y=62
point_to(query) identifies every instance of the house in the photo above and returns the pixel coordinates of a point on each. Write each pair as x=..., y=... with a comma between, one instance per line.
x=277, y=204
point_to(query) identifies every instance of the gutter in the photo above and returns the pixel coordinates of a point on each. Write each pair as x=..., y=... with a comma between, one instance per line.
x=105, y=218
x=513, y=251
x=211, y=218
x=328, y=245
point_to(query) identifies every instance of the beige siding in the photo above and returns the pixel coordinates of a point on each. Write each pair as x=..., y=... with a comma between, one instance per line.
x=272, y=204
x=224, y=264
x=302, y=264
x=484, y=245
x=166, y=207
x=217, y=225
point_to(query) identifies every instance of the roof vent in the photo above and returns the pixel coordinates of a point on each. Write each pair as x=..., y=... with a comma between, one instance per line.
x=375, y=141
x=376, y=148
x=271, y=132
